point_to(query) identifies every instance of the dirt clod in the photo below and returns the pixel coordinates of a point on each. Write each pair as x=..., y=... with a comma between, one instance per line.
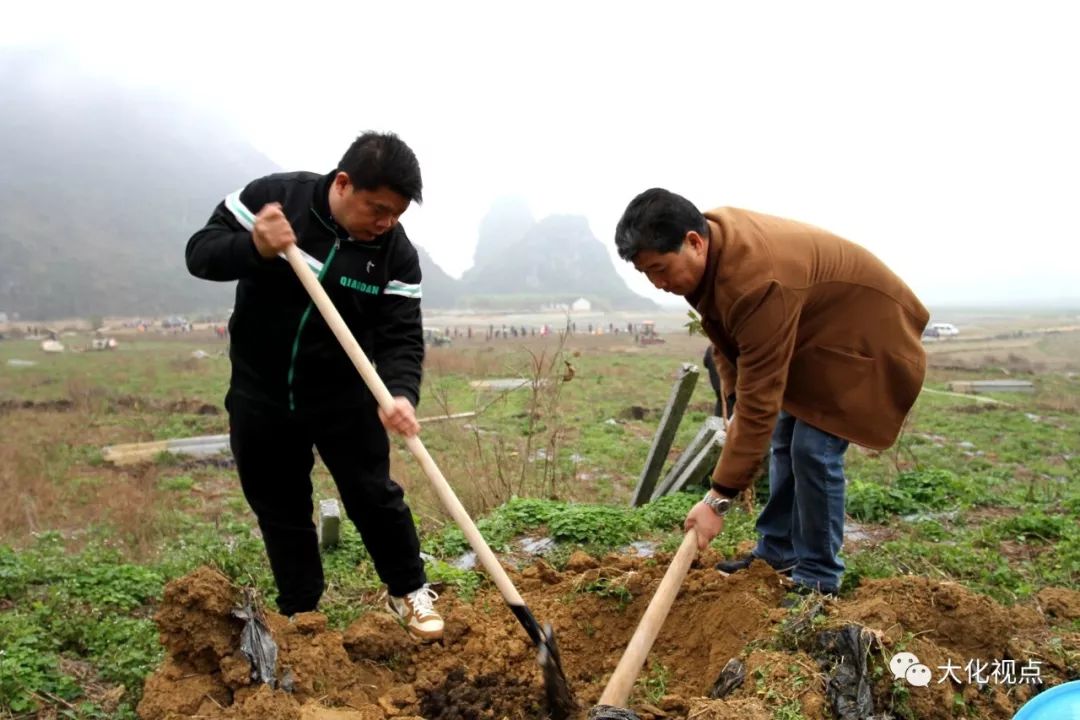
x=1059, y=603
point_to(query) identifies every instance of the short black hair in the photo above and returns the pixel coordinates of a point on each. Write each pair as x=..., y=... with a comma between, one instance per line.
x=657, y=219
x=376, y=160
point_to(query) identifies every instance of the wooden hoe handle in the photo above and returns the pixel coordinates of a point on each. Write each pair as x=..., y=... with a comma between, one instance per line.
x=442, y=488
x=626, y=672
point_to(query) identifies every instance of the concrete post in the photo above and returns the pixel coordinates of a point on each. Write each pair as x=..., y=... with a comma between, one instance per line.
x=329, y=524
x=702, y=463
x=704, y=436
x=665, y=433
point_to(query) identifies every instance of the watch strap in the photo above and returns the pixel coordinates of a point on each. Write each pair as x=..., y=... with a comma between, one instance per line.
x=725, y=491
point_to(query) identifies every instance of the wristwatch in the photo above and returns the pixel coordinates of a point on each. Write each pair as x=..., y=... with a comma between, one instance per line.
x=719, y=505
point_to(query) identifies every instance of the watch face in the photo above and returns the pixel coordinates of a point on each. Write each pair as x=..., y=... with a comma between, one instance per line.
x=719, y=505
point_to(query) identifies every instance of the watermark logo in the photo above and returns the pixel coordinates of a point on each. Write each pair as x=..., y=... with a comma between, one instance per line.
x=906, y=666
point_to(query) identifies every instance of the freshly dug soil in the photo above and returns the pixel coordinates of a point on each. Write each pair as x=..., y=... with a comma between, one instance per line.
x=486, y=668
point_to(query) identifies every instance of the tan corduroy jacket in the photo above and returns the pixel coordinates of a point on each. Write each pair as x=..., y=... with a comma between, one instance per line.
x=811, y=323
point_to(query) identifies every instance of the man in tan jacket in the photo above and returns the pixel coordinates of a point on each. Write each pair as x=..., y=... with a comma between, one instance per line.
x=819, y=342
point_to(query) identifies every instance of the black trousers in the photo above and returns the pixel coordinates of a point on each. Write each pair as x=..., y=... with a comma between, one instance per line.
x=714, y=380
x=273, y=451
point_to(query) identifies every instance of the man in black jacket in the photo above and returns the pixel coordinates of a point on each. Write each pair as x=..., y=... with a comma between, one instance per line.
x=293, y=386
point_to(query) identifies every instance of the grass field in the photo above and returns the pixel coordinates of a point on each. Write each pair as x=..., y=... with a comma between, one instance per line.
x=984, y=494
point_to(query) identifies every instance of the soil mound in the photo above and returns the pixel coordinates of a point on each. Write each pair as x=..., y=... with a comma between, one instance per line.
x=486, y=668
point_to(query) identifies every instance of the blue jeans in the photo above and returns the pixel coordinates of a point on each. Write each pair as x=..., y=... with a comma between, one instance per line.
x=802, y=524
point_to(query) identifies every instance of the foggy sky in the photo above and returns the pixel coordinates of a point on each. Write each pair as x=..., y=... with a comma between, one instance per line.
x=941, y=136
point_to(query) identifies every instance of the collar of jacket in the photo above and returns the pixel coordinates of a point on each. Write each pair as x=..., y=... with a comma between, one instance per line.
x=320, y=206
x=702, y=297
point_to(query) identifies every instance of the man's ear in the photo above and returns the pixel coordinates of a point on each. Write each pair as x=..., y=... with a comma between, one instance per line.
x=342, y=180
x=696, y=242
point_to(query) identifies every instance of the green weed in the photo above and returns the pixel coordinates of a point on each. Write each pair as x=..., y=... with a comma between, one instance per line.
x=654, y=685
x=85, y=606
x=911, y=492
x=180, y=483
x=614, y=589
x=598, y=525
x=1037, y=526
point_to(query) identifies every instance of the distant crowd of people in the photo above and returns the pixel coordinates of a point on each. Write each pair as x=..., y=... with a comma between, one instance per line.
x=504, y=331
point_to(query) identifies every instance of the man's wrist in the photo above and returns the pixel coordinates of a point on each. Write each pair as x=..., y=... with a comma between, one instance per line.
x=719, y=505
x=724, y=491
x=406, y=393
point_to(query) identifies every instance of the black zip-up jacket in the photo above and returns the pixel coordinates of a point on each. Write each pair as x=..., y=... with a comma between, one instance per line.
x=282, y=351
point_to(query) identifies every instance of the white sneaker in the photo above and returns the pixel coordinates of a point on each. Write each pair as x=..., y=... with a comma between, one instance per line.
x=417, y=611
